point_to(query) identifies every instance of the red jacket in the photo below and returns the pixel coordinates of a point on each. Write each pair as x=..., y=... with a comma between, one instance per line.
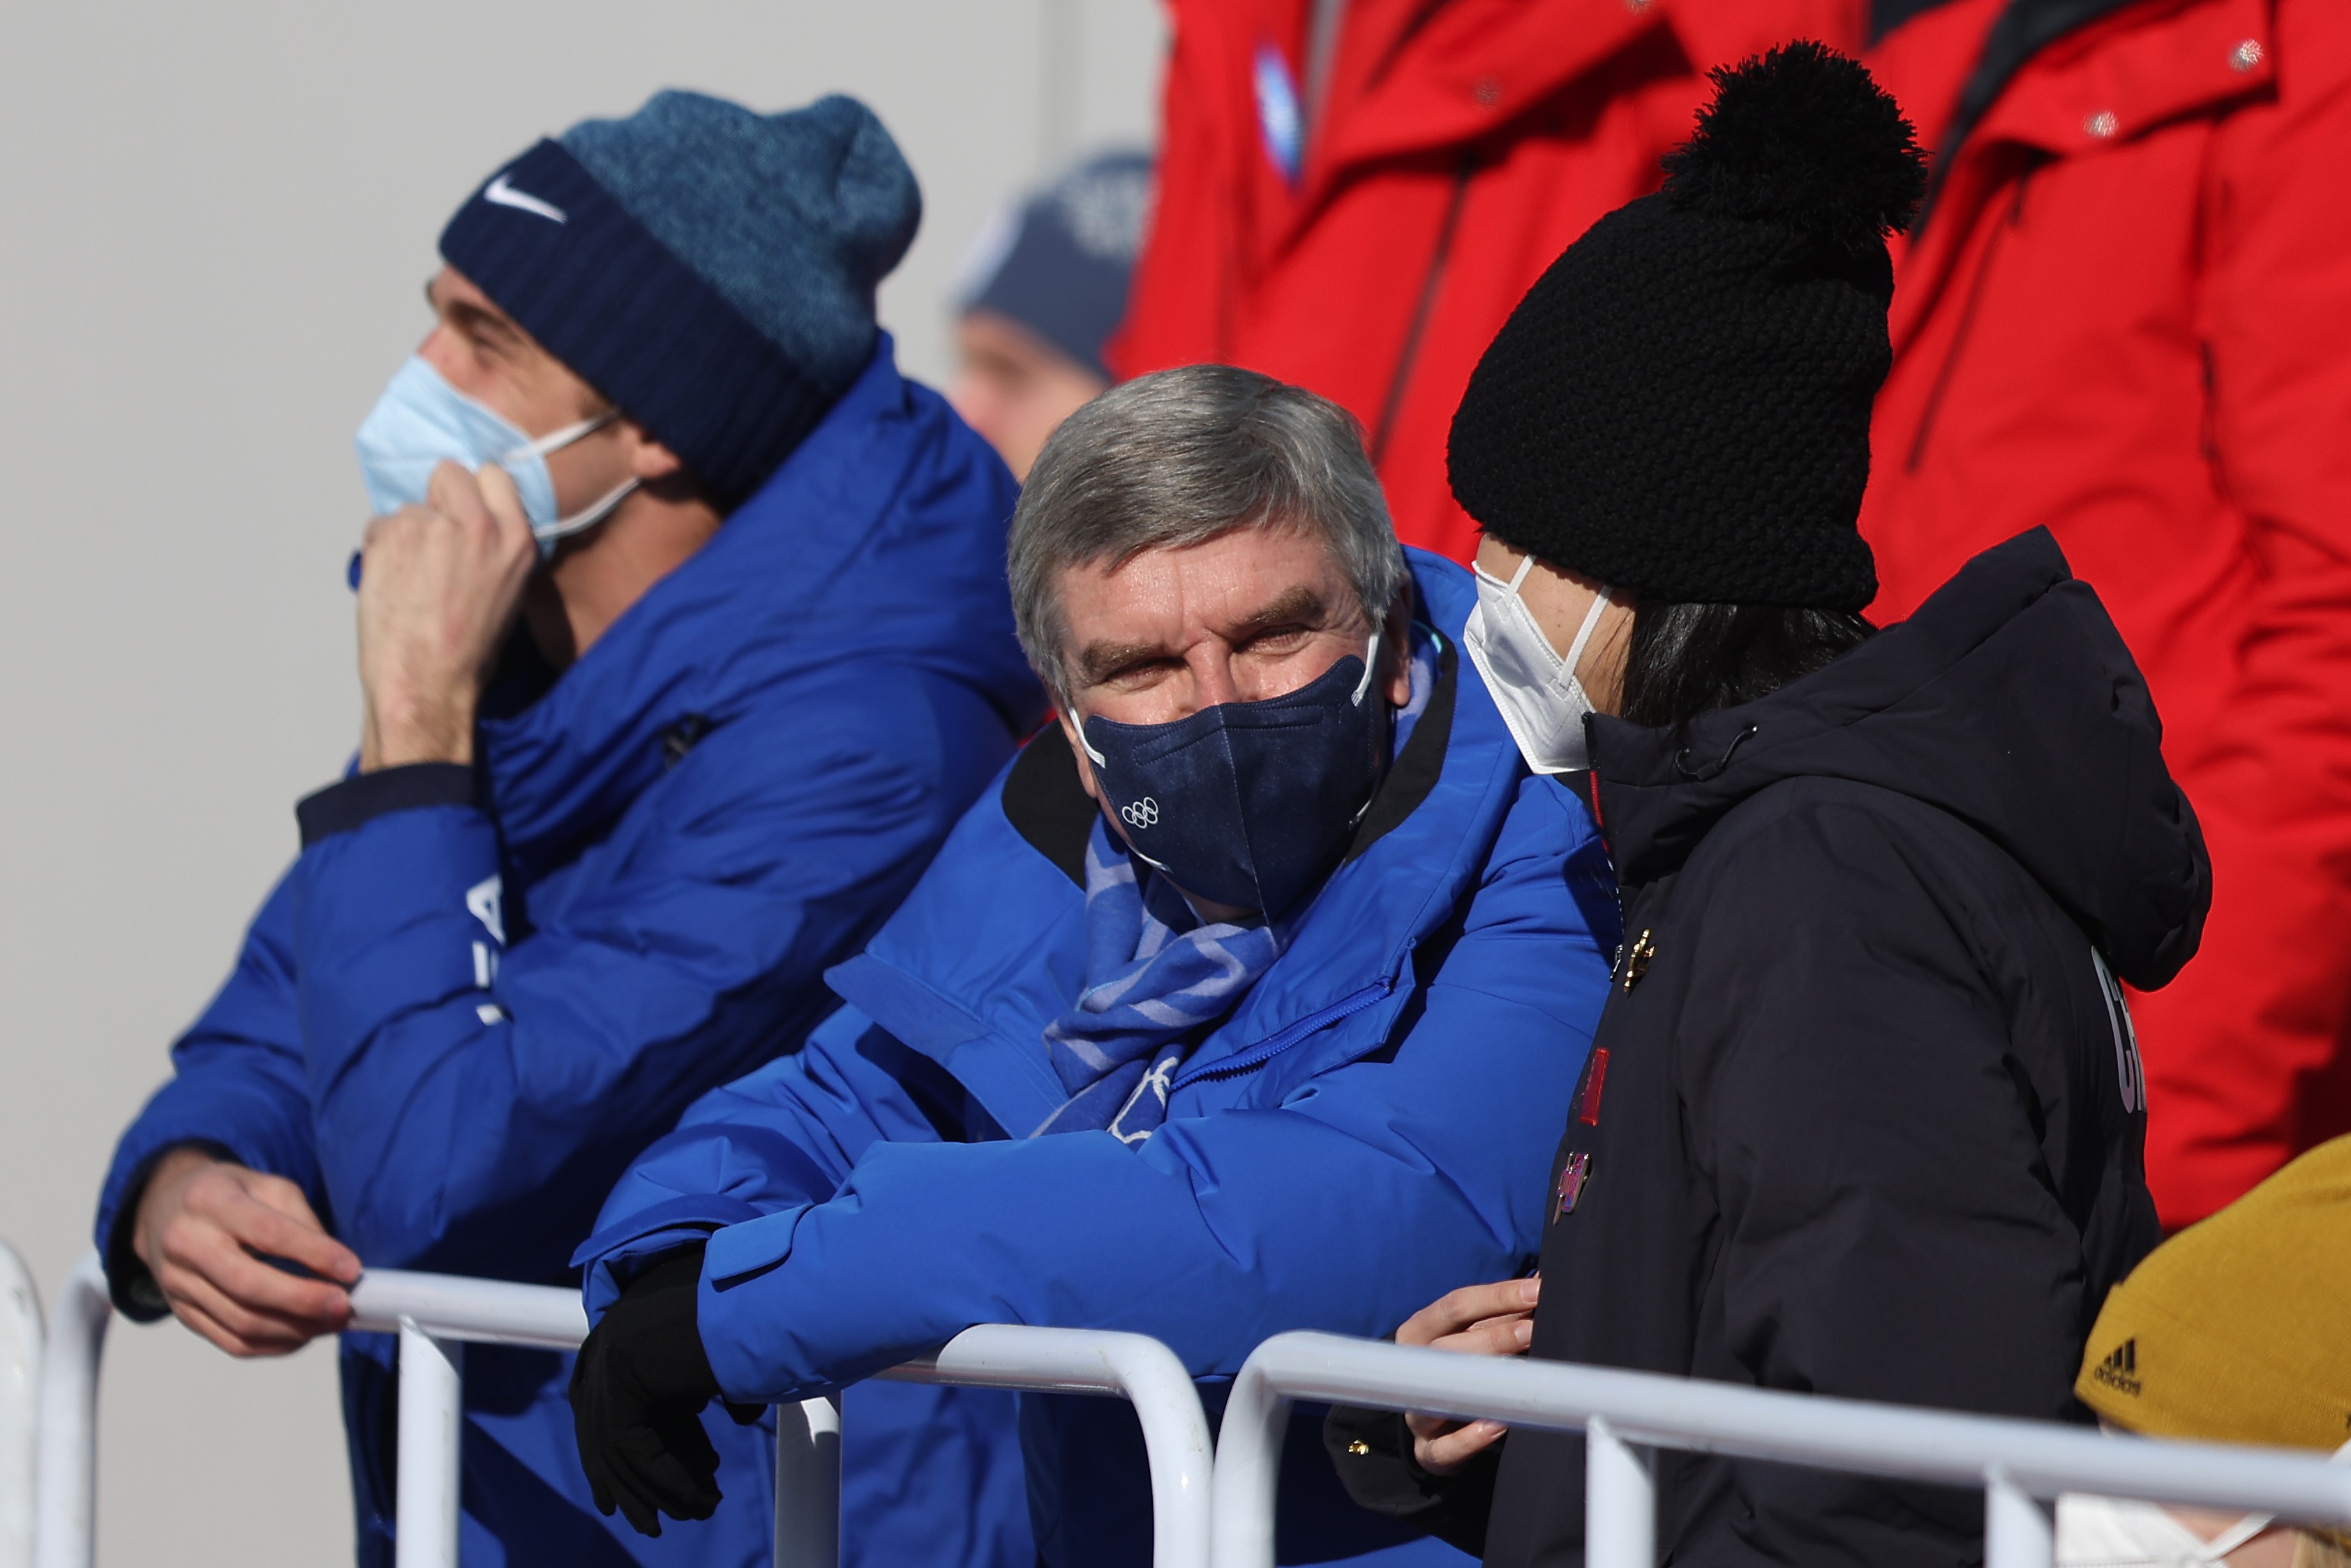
x=1463, y=144
x=2128, y=317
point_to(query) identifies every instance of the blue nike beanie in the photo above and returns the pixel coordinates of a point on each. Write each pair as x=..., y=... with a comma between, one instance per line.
x=708, y=268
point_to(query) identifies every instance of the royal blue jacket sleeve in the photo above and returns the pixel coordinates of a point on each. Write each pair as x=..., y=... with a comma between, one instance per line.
x=1372, y=1189
x=237, y=1089
x=783, y=1137
x=474, y=1126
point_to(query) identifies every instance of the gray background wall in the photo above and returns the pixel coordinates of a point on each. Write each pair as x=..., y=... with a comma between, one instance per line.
x=215, y=223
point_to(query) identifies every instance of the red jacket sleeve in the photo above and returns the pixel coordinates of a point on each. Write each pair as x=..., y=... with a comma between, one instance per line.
x=2260, y=1020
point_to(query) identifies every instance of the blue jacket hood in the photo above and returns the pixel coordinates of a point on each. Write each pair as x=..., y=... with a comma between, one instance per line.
x=865, y=542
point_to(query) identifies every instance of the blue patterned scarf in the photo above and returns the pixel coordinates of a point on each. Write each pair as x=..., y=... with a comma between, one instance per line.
x=1158, y=979
x=1155, y=976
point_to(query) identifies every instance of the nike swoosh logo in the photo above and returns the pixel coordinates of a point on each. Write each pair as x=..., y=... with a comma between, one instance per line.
x=505, y=195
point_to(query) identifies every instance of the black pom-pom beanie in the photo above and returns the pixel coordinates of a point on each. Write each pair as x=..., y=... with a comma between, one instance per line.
x=1680, y=406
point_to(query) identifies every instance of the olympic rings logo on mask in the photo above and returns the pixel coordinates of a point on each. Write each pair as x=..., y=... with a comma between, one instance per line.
x=1144, y=813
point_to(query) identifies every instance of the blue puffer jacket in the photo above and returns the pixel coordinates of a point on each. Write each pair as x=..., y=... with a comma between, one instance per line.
x=453, y=1024
x=1368, y=1129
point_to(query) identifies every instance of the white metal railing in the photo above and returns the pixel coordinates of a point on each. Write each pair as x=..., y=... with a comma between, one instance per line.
x=2019, y=1464
x=20, y=1382
x=1084, y=1361
x=436, y=1315
x=65, y=1494
x=1197, y=1521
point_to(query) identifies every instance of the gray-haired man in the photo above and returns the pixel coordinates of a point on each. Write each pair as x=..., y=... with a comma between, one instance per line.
x=1250, y=998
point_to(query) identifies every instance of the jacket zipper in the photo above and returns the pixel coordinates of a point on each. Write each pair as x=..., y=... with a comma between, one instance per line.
x=1437, y=259
x=1266, y=1049
x=1967, y=323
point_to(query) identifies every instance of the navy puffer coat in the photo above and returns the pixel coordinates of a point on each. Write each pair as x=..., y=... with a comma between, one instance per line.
x=1864, y=1115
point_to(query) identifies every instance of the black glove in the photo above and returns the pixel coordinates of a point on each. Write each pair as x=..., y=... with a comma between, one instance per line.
x=637, y=1395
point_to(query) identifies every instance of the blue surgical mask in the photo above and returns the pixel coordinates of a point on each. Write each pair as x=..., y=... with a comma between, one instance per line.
x=421, y=420
x=1249, y=804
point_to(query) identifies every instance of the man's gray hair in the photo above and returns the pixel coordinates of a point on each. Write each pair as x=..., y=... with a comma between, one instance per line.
x=1181, y=457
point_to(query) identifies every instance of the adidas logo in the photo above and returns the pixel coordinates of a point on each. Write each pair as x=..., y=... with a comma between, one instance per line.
x=2120, y=1370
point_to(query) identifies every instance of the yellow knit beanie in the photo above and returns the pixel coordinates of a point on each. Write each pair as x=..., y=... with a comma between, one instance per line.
x=2239, y=1329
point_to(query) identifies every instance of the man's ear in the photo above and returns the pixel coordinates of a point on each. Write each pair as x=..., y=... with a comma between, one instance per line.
x=1396, y=648
x=649, y=460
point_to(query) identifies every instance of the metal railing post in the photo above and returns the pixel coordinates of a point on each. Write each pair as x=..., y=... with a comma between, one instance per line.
x=2019, y=1530
x=1620, y=1501
x=65, y=1493
x=1090, y=1361
x=1248, y=1470
x=434, y=1314
x=431, y=1390
x=808, y=1484
x=20, y=1385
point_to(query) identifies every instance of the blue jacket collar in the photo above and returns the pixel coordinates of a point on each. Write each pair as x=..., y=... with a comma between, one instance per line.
x=830, y=560
x=991, y=945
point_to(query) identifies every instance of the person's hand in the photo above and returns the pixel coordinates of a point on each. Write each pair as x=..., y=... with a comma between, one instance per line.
x=439, y=587
x=638, y=1391
x=1476, y=1320
x=204, y=1228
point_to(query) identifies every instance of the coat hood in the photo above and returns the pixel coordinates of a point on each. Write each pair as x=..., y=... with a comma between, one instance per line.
x=880, y=539
x=2008, y=701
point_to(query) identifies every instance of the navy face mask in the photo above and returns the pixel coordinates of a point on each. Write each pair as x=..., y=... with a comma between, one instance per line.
x=1249, y=804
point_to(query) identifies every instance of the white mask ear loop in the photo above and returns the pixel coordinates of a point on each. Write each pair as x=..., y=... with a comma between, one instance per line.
x=2217, y=1548
x=1371, y=664
x=1583, y=633
x=1526, y=564
x=595, y=511
x=587, y=518
x=557, y=440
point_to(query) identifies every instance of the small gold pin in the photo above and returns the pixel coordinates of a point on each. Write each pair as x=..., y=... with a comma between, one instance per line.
x=1636, y=960
x=1359, y=1448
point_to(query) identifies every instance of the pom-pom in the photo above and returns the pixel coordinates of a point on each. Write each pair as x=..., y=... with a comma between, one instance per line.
x=1803, y=137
